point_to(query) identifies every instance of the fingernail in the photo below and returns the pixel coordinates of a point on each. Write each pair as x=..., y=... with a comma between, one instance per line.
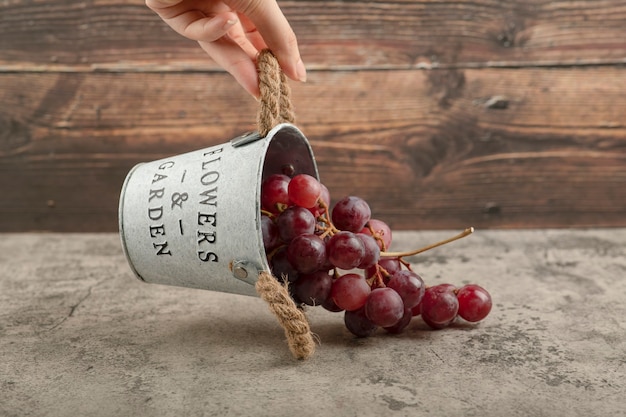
x=301, y=71
x=229, y=23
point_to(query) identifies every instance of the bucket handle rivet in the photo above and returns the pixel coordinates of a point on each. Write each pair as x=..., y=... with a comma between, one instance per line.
x=244, y=271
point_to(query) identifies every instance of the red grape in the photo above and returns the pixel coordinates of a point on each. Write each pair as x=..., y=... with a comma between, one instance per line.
x=384, y=307
x=293, y=222
x=313, y=289
x=306, y=253
x=304, y=190
x=281, y=267
x=439, y=307
x=351, y=213
x=269, y=231
x=358, y=324
x=408, y=285
x=417, y=310
x=345, y=250
x=474, y=303
x=350, y=291
x=274, y=193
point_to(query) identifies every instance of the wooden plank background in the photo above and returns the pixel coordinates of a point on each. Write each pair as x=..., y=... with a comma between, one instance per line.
x=442, y=114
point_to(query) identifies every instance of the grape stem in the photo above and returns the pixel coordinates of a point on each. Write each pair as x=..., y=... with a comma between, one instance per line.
x=268, y=214
x=464, y=233
x=379, y=277
x=330, y=229
x=377, y=236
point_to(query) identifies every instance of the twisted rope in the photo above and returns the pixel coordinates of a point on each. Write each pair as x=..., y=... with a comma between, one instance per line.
x=275, y=108
x=292, y=319
x=275, y=103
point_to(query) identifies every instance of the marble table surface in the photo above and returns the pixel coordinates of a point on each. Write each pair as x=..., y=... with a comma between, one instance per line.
x=80, y=335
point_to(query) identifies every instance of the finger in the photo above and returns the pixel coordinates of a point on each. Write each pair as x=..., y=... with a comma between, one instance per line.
x=236, y=61
x=196, y=25
x=276, y=31
x=166, y=6
x=155, y=4
x=239, y=36
x=251, y=33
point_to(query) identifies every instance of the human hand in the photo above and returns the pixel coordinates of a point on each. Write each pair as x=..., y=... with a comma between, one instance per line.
x=233, y=32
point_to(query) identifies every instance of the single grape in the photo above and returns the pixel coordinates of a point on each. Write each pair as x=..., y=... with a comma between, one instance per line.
x=358, y=324
x=281, y=267
x=384, y=307
x=313, y=289
x=439, y=307
x=474, y=303
x=269, y=230
x=274, y=193
x=345, y=250
x=351, y=213
x=304, y=190
x=372, y=251
x=350, y=291
x=293, y=222
x=306, y=253
x=382, y=233
x=402, y=323
x=409, y=286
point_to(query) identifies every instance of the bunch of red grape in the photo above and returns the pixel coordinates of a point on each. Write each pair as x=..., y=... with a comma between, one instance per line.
x=319, y=253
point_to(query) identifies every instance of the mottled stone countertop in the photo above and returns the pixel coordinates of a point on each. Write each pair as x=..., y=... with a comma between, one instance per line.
x=79, y=335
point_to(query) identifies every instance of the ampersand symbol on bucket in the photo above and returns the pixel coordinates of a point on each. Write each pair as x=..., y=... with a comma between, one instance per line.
x=178, y=199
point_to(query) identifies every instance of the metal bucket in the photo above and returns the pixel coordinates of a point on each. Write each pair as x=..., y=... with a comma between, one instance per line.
x=194, y=220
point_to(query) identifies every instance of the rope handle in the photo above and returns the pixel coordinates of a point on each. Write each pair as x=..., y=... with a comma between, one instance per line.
x=291, y=318
x=275, y=103
x=275, y=108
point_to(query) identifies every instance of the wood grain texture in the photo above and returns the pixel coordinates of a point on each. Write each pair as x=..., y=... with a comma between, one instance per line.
x=449, y=148
x=123, y=35
x=442, y=114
